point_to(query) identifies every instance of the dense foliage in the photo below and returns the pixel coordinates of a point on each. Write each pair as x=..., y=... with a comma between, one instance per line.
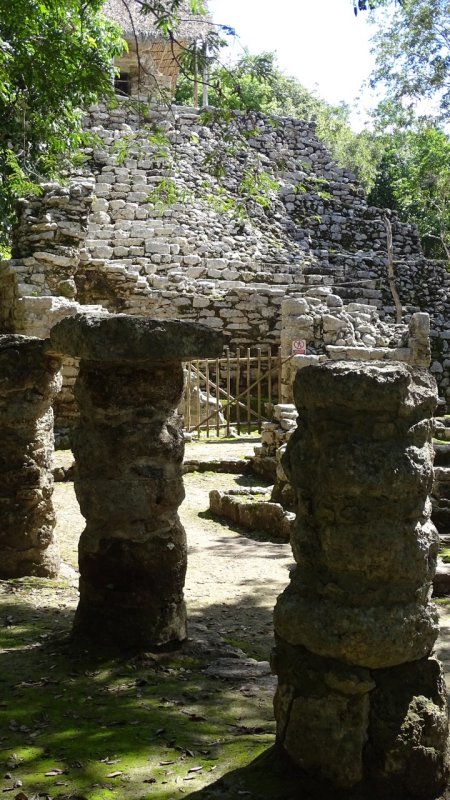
x=413, y=177
x=55, y=59
x=412, y=50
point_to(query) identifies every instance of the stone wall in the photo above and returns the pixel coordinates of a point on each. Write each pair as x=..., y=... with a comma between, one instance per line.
x=147, y=226
x=321, y=324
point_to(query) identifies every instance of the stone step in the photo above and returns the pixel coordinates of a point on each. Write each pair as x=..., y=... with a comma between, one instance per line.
x=441, y=581
x=441, y=455
x=442, y=432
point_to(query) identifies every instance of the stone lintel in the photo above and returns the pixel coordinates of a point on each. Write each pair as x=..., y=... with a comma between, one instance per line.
x=125, y=338
x=365, y=386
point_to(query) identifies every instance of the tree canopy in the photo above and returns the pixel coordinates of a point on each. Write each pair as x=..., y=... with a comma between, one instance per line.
x=413, y=177
x=56, y=57
x=412, y=52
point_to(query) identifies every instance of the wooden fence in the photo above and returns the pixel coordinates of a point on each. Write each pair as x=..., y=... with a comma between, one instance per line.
x=233, y=394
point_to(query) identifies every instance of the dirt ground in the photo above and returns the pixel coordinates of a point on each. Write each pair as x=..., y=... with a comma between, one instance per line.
x=233, y=578
x=82, y=725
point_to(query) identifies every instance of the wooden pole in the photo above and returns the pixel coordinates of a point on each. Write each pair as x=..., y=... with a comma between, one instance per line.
x=391, y=271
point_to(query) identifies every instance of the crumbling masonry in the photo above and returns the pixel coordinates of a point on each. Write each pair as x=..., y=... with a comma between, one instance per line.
x=128, y=445
x=360, y=699
x=29, y=381
x=144, y=228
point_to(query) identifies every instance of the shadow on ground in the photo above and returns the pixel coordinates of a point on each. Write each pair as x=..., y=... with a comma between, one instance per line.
x=79, y=723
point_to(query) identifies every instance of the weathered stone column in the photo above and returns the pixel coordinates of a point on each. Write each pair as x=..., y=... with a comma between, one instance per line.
x=128, y=446
x=360, y=700
x=29, y=380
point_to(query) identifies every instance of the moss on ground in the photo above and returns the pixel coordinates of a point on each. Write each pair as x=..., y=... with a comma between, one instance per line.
x=75, y=724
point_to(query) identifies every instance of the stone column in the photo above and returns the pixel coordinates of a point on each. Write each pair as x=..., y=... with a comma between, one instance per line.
x=128, y=446
x=29, y=380
x=360, y=701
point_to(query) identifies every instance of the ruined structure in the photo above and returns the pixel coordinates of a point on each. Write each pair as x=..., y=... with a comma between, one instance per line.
x=149, y=226
x=361, y=702
x=29, y=380
x=128, y=445
x=327, y=327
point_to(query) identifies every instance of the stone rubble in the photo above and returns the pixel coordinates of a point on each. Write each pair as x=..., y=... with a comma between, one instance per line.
x=353, y=332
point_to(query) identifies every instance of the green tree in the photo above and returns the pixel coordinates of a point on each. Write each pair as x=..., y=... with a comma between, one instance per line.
x=55, y=59
x=414, y=179
x=412, y=51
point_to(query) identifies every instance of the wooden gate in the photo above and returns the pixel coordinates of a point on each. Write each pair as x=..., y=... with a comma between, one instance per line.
x=231, y=395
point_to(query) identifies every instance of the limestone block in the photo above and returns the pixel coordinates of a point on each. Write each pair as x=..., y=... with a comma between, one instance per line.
x=129, y=339
x=333, y=324
x=339, y=720
x=102, y=251
x=334, y=301
x=103, y=189
x=409, y=729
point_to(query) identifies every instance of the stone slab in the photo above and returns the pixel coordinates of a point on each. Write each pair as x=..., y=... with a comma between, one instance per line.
x=126, y=338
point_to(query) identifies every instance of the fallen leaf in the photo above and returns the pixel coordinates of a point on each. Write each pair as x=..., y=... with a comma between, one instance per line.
x=195, y=769
x=53, y=772
x=114, y=774
x=165, y=763
x=150, y=780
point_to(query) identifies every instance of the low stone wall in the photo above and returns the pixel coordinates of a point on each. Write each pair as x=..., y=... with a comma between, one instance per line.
x=252, y=509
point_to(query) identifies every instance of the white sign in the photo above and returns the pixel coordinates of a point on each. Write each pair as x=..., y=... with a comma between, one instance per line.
x=298, y=347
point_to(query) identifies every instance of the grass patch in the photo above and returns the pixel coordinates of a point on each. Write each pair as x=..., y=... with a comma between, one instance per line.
x=249, y=647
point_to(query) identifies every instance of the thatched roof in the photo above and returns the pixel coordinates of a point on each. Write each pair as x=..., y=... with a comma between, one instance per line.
x=191, y=26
